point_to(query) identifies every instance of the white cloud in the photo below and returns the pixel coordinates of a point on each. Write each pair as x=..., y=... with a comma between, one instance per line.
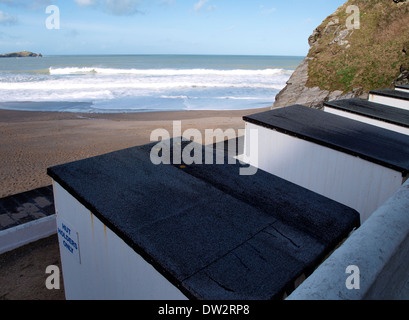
x=265, y=10
x=114, y=7
x=199, y=5
x=72, y=33
x=211, y=8
x=6, y=19
x=122, y=7
x=85, y=3
x=230, y=28
x=32, y=5
x=166, y=2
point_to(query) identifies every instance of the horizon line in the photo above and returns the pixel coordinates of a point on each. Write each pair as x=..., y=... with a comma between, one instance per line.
x=172, y=54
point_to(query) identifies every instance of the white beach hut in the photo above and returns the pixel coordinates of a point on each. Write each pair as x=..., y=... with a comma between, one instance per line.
x=402, y=87
x=351, y=162
x=393, y=98
x=129, y=229
x=376, y=114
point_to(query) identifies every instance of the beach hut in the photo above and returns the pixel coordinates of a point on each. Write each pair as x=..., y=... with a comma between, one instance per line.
x=354, y=163
x=394, y=98
x=380, y=115
x=129, y=229
x=403, y=87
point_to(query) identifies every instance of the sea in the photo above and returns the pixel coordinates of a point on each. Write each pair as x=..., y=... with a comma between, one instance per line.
x=142, y=83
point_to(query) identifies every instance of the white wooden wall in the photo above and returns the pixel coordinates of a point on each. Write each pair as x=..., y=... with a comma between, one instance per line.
x=397, y=103
x=402, y=89
x=375, y=122
x=352, y=181
x=109, y=268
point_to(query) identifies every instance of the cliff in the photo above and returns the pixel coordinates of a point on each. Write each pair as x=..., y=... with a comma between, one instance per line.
x=21, y=54
x=353, y=51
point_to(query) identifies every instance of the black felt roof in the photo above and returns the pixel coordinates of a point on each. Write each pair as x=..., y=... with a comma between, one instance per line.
x=372, y=110
x=375, y=144
x=402, y=86
x=391, y=93
x=213, y=233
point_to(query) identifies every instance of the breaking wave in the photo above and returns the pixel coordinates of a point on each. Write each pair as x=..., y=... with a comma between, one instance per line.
x=166, y=72
x=106, y=87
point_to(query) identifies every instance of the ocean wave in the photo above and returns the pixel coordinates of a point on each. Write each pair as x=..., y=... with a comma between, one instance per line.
x=66, y=86
x=133, y=83
x=167, y=72
x=213, y=98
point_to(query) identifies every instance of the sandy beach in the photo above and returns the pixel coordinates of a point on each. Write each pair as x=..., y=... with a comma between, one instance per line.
x=33, y=141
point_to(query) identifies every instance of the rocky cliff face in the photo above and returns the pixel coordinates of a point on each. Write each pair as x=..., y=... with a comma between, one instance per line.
x=362, y=46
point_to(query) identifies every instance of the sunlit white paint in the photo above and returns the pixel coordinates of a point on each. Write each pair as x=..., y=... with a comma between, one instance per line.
x=393, y=102
x=109, y=269
x=379, y=248
x=402, y=89
x=374, y=122
x=350, y=180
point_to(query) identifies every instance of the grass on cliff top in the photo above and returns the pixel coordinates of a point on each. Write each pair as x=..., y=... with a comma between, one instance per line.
x=376, y=53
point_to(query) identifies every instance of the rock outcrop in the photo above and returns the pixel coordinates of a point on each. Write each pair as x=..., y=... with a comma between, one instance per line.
x=297, y=92
x=360, y=47
x=22, y=54
x=403, y=77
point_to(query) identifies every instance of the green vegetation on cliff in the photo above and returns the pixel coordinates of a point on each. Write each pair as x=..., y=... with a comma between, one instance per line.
x=370, y=57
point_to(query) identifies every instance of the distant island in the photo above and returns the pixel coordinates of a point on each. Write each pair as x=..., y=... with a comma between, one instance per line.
x=21, y=54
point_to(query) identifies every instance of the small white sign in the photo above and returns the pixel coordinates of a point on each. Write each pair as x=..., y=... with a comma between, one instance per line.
x=68, y=239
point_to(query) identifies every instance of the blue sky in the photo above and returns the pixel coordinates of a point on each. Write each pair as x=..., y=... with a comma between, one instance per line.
x=247, y=27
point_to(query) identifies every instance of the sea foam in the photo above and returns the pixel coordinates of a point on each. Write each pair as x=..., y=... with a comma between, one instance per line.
x=114, y=84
